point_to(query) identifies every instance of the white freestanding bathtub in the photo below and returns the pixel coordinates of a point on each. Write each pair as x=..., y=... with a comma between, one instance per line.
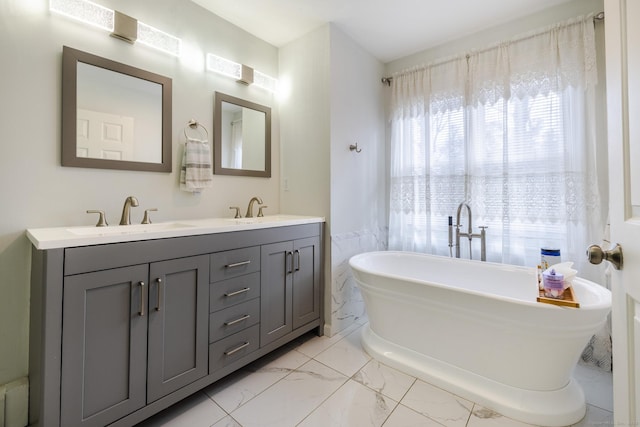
x=475, y=329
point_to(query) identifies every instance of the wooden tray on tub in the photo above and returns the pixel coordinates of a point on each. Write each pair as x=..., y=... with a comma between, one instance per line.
x=568, y=298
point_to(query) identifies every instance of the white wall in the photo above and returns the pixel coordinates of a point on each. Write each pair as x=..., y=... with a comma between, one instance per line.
x=305, y=134
x=358, y=189
x=37, y=192
x=335, y=100
x=305, y=127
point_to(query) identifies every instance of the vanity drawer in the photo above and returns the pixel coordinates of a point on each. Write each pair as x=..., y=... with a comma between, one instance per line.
x=233, y=319
x=230, y=292
x=235, y=347
x=228, y=264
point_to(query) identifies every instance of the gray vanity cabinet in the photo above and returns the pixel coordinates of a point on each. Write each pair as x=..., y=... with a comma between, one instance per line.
x=235, y=306
x=306, y=281
x=132, y=335
x=277, y=284
x=178, y=324
x=104, y=346
x=121, y=331
x=290, y=287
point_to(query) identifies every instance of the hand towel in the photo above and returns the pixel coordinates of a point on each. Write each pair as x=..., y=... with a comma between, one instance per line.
x=196, y=170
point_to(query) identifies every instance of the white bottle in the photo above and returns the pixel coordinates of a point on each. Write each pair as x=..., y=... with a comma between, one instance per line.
x=549, y=257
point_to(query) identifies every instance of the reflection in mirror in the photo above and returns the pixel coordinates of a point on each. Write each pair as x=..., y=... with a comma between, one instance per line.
x=242, y=137
x=114, y=116
x=115, y=109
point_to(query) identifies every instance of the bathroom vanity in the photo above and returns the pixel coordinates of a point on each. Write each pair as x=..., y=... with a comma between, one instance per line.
x=126, y=323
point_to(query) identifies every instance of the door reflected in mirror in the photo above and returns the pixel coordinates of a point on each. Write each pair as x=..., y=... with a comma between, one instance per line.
x=242, y=137
x=114, y=116
x=119, y=116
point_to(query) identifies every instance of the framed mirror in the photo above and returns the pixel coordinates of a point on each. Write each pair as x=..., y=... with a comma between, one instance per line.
x=242, y=137
x=114, y=116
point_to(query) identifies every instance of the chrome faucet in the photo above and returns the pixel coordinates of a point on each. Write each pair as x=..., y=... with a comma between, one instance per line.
x=469, y=234
x=250, y=207
x=126, y=210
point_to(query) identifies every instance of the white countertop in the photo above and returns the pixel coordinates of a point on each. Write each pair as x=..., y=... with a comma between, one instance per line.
x=65, y=237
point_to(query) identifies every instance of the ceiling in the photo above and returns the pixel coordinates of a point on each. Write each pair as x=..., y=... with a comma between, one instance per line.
x=388, y=29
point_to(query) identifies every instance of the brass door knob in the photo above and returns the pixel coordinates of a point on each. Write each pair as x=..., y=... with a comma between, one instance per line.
x=595, y=255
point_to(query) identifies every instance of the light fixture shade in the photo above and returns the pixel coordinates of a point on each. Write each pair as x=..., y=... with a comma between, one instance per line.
x=158, y=39
x=224, y=66
x=84, y=11
x=264, y=81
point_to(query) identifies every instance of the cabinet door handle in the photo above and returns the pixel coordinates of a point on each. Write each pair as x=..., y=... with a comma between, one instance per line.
x=297, y=252
x=159, y=304
x=238, y=264
x=289, y=257
x=238, y=320
x=241, y=291
x=141, y=311
x=235, y=350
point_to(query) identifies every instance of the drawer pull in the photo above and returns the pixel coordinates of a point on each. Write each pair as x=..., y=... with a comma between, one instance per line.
x=238, y=264
x=141, y=311
x=288, y=256
x=235, y=350
x=238, y=320
x=241, y=291
x=297, y=252
x=159, y=304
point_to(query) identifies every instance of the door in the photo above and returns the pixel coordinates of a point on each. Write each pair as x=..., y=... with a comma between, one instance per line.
x=178, y=324
x=104, y=136
x=103, y=346
x=275, y=294
x=623, y=111
x=306, y=281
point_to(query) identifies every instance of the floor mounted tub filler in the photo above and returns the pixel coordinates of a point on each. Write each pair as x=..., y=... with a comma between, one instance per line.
x=475, y=329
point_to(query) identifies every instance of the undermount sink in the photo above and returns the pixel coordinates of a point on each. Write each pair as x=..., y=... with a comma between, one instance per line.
x=245, y=220
x=260, y=219
x=127, y=229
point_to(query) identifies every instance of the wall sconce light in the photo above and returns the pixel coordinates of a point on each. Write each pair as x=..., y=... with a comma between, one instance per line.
x=121, y=26
x=158, y=39
x=264, y=81
x=242, y=73
x=85, y=12
x=223, y=66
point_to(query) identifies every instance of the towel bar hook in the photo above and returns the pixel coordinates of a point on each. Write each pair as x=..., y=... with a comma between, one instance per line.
x=354, y=147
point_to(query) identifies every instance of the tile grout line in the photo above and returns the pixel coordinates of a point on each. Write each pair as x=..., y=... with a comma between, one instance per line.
x=288, y=374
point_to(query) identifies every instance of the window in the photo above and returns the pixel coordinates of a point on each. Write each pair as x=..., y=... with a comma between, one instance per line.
x=520, y=153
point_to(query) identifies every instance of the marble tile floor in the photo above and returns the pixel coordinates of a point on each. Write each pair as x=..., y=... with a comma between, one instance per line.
x=326, y=382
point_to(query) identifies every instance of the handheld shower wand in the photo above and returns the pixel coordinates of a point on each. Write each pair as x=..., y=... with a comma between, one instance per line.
x=451, y=236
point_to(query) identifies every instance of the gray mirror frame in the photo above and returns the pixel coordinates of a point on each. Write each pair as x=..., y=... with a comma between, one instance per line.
x=70, y=58
x=217, y=121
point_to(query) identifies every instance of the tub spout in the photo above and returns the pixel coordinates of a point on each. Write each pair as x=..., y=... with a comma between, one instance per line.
x=458, y=233
x=469, y=234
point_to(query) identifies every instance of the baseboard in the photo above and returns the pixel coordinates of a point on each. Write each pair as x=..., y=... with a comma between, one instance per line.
x=14, y=403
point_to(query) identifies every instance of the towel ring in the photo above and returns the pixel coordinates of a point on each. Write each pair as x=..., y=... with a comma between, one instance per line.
x=193, y=124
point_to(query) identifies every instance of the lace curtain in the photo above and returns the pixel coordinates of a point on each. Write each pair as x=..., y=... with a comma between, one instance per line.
x=509, y=130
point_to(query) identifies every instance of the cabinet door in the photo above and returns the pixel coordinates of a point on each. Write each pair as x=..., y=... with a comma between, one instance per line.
x=275, y=292
x=103, y=346
x=178, y=324
x=306, y=281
